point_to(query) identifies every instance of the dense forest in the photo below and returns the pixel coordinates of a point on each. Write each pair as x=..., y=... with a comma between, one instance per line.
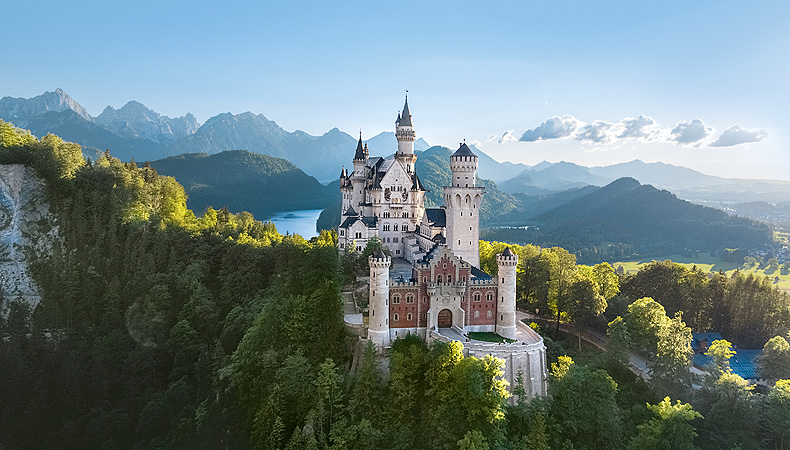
x=157, y=329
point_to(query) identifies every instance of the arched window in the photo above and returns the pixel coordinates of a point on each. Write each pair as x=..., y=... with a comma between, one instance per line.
x=477, y=314
x=395, y=240
x=489, y=315
x=395, y=317
x=395, y=227
x=396, y=299
x=477, y=297
x=408, y=316
x=409, y=298
x=490, y=297
x=449, y=278
x=438, y=278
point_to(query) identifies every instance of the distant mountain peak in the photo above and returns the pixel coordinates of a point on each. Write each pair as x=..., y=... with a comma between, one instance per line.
x=135, y=120
x=20, y=110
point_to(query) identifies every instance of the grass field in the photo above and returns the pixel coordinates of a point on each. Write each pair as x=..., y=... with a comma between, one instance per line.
x=487, y=336
x=708, y=264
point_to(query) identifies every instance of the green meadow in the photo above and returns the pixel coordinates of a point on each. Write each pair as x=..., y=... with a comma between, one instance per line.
x=709, y=263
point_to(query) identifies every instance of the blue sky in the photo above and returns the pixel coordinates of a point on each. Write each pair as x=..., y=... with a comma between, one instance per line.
x=474, y=70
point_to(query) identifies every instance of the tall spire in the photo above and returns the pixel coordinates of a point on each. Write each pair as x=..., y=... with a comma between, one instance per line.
x=405, y=117
x=360, y=154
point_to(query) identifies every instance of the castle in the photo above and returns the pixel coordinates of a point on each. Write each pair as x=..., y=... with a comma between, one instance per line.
x=432, y=285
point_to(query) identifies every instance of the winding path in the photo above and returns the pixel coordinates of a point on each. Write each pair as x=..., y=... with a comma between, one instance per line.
x=636, y=363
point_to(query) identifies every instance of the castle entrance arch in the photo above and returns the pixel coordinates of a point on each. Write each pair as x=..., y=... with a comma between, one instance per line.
x=445, y=319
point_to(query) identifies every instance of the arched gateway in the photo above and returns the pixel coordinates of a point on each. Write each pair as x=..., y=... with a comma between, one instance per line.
x=445, y=319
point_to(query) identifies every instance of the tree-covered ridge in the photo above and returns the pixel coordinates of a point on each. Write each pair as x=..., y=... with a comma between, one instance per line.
x=244, y=181
x=137, y=339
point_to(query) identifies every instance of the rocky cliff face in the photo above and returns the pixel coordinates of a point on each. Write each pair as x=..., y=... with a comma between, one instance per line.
x=27, y=231
x=18, y=110
x=135, y=120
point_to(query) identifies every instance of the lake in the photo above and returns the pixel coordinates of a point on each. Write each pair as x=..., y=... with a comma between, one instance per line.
x=300, y=222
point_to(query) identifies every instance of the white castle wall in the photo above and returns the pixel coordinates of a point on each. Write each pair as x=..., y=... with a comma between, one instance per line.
x=378, y=317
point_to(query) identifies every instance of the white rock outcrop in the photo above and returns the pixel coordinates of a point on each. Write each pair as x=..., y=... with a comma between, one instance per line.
x=27, y=230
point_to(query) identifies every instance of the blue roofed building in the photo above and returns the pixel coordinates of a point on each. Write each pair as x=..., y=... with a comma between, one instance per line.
x=744, y=363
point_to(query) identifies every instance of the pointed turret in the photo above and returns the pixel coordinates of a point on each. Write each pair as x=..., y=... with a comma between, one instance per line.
x=404, y=132
x=405, y=117
x=343, y=173
x=361, y=153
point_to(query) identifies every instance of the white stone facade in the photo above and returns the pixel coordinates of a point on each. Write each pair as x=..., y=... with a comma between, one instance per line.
x=431, y=285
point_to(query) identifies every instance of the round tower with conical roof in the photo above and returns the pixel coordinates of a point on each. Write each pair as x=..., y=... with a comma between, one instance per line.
x=506, y=287
x=462, y=201
x=378, y=315
x=404, y=131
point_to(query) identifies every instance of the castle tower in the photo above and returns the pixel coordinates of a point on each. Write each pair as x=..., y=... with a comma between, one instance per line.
x=404, y=132
x=506, y=305
x=359, y=174
x=345, y=191
x=378, y=324
x=462, y=206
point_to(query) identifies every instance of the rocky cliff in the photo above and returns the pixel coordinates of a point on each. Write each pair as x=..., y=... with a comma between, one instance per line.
x=27, y=231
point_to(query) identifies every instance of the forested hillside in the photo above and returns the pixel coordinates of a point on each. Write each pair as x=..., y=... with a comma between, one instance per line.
x=244, y=181
x=160, y=330
x=157, y=329
x=626, y=218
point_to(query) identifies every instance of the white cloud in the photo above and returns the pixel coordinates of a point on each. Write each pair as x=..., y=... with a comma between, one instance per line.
x=609, y=135
x=736, y=135
x=599, y=132
x=642, y=128
x=508, y=136
x=553, y=128
x=690, y=132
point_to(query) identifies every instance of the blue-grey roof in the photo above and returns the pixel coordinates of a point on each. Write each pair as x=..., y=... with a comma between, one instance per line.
x=464, y=150
x=477, y=273
x=405, y=118
x=370, y=222
x=743, y=363
x=360, y=153
x=436, y=217
x=701, y=341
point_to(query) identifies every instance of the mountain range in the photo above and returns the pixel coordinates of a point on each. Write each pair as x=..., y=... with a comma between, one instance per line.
x=135, y=131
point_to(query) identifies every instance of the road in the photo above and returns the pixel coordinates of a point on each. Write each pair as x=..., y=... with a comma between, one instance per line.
x=636, y=363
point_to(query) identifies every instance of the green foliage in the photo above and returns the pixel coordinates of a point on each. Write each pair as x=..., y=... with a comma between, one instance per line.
x=669, y=429
x=777, y=414
x=645, y=321
x=721, y=352
x=172, y=331
x=583, y=405
x=775, y=360
x=746, y=308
